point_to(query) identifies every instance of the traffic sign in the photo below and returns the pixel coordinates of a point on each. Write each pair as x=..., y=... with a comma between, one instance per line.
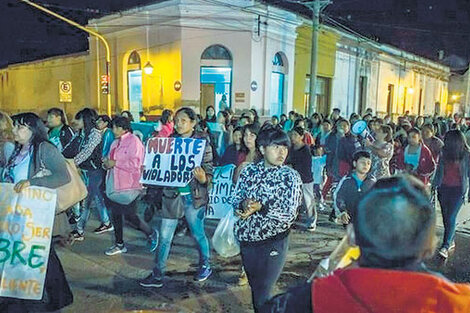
x=65, y=91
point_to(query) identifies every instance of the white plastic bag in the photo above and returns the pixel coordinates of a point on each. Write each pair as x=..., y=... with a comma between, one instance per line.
x=224, y=241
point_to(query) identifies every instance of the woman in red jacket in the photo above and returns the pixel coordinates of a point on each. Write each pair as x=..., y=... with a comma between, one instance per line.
x=416, y=158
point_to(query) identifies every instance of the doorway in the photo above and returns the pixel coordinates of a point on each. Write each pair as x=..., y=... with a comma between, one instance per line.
x=216, y=78
x=216, y=85
x=134, y=81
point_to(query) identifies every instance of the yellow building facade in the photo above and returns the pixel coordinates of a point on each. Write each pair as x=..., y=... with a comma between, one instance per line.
x=326, y=68
x=34, y=86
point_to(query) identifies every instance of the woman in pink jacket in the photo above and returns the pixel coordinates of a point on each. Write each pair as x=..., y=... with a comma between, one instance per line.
x=126, y=157
x=167, y=124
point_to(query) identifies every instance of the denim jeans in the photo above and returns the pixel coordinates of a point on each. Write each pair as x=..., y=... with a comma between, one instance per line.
x=95, y=179
x=451, y=200
x=195, y=218
x=263, y=265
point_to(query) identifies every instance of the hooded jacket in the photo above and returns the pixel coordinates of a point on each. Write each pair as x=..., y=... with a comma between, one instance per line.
x=367, y=290
x=426, y=166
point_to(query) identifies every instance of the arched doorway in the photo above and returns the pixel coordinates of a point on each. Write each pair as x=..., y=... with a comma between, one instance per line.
x=278, y=90
x=216, y=78
x=134, y=83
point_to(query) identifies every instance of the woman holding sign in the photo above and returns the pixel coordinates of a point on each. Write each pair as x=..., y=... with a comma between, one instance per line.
x=189, y=201
x=266, y=198
x=34, y=153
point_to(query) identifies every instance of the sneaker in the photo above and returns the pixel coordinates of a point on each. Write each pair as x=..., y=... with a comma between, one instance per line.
x=116, y=249
x=452, y=245
x=77, y=236
x=104, y=228
x=312, y=227
x=243, y=279
x=73, y=219
x=203, y=273
x=153, y=241
x=444, y=252
x=151, y=281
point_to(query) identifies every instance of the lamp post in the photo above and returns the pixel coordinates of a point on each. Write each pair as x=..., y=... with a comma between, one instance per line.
x=89, y=31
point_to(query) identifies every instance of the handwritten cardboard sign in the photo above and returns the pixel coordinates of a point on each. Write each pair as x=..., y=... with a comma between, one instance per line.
x=26, y=221
x=170, y=161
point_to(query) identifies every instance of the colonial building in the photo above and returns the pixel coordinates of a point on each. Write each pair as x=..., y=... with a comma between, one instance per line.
x=240, y=54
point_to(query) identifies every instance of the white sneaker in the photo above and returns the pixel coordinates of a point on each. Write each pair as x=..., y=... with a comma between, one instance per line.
x=116, y=249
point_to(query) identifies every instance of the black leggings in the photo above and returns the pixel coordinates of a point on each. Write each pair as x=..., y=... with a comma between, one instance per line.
x=117, y=218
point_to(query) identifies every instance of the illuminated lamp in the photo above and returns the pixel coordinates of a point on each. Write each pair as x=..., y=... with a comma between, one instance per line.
x=148, y=68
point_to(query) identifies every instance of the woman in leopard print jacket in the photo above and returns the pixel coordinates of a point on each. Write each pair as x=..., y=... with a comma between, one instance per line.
x=266, y=198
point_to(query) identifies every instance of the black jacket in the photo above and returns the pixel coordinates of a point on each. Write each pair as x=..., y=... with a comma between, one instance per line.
x=348, y=194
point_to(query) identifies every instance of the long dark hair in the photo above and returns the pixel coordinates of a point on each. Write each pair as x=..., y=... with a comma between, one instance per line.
x=38, y=129
x=166, y=116
x=253, y=128
x=89, y=117
x=212, y=119
x=455, y=146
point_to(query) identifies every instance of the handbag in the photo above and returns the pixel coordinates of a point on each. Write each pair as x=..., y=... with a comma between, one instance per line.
x=172, y=204
x=124, y=197
x=71, y=193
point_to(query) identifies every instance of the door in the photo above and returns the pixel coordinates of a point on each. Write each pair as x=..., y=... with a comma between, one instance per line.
x=390, y=95
x=207, y=97
x=277, y=94
x=220, y=81
x=134, y=80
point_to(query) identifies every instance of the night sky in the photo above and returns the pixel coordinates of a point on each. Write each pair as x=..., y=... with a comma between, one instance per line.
x=420, y=26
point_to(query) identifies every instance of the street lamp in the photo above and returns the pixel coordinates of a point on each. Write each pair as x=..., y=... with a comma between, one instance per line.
x=411, y=91
x=148, y=68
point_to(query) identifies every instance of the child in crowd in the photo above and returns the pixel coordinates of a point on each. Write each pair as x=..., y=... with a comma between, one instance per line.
x=318, y=170
x=353, y=186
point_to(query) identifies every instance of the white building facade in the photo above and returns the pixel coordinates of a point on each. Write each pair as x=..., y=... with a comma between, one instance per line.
x=387, y=80
x=237, y=54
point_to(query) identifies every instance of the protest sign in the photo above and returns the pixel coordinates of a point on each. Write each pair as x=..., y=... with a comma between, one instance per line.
x=26, y=221
x=170, y=161
x=222, y=188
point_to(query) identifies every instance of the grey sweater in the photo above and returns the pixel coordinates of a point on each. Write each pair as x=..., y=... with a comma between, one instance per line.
x=49, y=157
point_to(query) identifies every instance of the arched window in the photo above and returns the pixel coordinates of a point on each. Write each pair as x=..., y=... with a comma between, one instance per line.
x=134, y=58
x=134, y=83
x=278, y=84
x=277, y=60
x=216, y=52
x=216, y=78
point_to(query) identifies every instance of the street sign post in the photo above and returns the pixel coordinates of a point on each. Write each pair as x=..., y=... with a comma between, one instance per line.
x=65, y=91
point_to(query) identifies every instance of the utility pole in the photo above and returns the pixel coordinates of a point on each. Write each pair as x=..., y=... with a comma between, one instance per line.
x=89, y=31
x=316, y=6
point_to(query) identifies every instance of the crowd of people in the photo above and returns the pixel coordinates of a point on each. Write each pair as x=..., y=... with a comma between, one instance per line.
x=288, y=170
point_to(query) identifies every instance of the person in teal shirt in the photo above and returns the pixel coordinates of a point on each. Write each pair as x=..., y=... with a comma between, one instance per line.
x=103, y=124
x=60, y=134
